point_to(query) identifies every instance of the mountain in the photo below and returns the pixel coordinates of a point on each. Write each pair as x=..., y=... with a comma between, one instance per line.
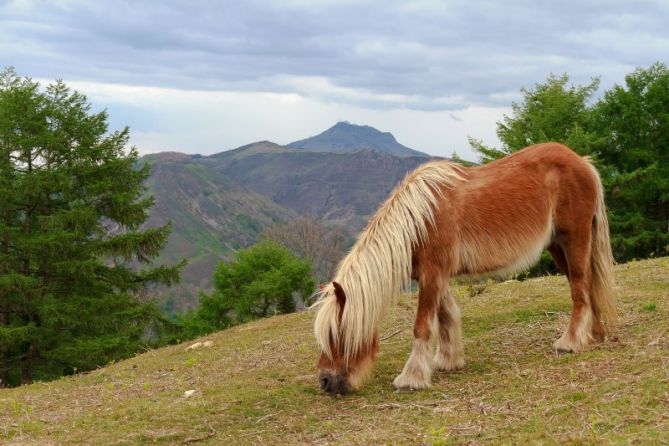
x=347, y=137
x=342, y=188
x=255, y=148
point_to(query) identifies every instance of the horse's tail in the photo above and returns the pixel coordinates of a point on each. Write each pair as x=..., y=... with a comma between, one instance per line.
x=601, y=261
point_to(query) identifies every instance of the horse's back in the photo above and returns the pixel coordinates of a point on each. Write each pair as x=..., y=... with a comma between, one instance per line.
x=539, y=173
x=533, y=161
x=505, y=212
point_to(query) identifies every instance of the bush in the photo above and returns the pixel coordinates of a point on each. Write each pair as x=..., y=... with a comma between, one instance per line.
x=263, y=280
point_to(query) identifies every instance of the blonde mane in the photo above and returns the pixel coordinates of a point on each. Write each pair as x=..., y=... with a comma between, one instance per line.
x=379, y=265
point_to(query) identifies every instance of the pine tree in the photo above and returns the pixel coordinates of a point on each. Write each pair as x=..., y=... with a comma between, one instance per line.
x=72, y=205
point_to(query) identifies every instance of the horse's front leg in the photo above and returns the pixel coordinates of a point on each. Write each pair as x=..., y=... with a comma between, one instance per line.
x=417, y=372
x=450, y=351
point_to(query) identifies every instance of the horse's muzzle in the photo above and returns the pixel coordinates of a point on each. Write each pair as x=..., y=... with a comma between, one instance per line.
x=333, y=384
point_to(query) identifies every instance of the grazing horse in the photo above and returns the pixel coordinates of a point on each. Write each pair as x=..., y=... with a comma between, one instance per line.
x=446, y=220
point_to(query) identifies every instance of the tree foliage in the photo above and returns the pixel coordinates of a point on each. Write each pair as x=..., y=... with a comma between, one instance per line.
x=261, y=281
x=71, y=209
x=633, y=155
x=552, y=111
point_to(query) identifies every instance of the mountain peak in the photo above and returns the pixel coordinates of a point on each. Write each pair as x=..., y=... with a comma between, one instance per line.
x=347, y=137
x=351, y=126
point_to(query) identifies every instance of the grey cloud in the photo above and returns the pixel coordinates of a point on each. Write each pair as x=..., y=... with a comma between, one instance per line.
x=474, y=50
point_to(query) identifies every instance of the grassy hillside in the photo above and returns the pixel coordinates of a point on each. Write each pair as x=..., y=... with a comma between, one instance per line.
x=256, y=384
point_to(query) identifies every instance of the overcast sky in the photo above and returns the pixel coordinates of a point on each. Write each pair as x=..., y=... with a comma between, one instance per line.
x=207, y=76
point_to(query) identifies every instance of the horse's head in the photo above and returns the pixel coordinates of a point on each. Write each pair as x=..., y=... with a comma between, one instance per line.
x=344, y=361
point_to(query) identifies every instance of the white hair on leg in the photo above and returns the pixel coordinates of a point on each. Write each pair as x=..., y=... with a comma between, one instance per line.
x=578, y=334
x=417, y=372
x=361, y=372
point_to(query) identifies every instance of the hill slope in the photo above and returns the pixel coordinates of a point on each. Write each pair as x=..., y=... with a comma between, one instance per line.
x=347, y=137
x=220, y=203
x=342, y=188
x=257, y=384
x=212, y=216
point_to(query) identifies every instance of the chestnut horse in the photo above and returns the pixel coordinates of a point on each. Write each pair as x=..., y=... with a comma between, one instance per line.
x=446, y=220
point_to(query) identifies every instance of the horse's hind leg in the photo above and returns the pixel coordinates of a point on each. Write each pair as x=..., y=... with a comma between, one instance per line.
x=450, y=352
x=579, y=332
x=559, y=259
x=417, y=371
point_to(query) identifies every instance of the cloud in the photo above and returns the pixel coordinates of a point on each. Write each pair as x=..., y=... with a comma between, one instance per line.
x=206, y=122
x=424, y=60
x=423, y=50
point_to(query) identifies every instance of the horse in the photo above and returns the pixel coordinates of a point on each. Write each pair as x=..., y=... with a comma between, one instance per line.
x=446, y=220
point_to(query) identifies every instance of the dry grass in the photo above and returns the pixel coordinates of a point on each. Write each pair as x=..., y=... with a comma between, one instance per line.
x=256, y=384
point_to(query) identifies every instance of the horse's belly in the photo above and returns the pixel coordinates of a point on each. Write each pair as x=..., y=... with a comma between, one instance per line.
x=514, y=252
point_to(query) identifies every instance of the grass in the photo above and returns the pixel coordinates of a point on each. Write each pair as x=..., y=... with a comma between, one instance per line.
x=256, y=384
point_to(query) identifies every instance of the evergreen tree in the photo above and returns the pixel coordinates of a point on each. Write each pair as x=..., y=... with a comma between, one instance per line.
x=72, y=203
x=633, y=122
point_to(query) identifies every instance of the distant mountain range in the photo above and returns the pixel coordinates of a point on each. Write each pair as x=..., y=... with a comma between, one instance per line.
x=220, y=203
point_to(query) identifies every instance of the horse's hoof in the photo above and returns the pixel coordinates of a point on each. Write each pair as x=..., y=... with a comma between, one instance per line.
x=407, y=383
x=404, y=390
x=446, y=364
x=562, y=345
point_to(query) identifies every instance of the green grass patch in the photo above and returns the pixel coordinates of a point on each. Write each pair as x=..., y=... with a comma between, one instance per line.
x=649, y=307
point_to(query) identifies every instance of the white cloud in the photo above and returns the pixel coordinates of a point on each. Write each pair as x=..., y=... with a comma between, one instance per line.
x=206, y=122
x=324, y=89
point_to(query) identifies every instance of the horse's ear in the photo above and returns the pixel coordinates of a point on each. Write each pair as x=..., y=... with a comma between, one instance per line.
x=339, y=293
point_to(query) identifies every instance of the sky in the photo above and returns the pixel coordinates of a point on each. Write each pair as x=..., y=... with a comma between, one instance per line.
x=200, y=76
